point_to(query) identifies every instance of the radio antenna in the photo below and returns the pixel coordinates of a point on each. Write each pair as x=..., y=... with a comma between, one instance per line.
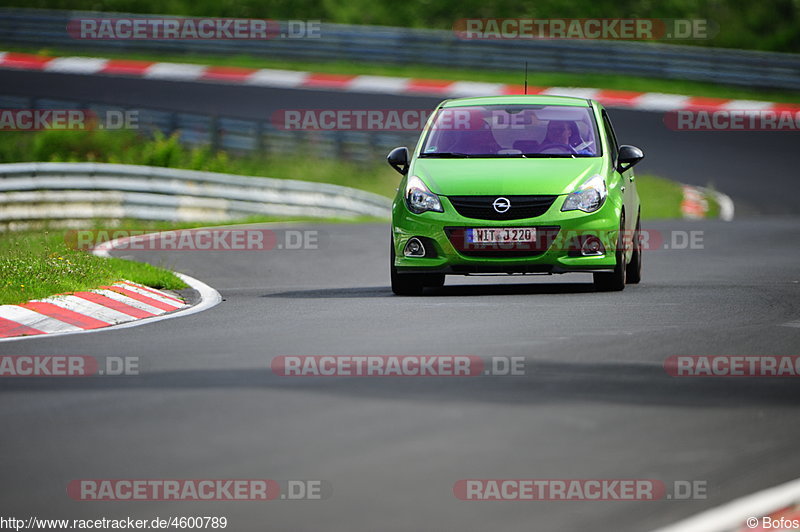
x=526, y=77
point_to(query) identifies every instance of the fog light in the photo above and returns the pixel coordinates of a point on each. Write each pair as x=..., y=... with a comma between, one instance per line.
x=592, y=247
x=414, y=248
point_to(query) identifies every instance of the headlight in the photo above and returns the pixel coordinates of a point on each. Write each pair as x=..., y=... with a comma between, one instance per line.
x=589, y=197
x=419, y=199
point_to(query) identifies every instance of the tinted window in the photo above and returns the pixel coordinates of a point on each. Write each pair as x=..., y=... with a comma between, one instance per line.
x=513, y=131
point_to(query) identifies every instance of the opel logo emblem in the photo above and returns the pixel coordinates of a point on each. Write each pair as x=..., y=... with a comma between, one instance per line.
x=501, y=205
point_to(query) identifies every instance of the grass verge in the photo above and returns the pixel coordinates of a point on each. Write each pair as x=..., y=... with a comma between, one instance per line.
x=535, y=79
x=40, y=264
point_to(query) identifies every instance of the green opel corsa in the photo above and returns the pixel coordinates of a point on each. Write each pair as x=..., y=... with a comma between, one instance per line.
x=516, y=185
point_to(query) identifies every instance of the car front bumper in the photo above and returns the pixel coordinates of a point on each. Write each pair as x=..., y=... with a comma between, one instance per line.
x=556, y=249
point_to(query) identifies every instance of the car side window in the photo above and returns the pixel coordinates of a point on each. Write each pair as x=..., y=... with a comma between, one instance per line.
x=612, y=138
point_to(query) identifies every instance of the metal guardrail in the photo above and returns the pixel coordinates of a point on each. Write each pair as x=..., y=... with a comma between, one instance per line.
x=86, y=191
x=379, y=44
x=242, y=136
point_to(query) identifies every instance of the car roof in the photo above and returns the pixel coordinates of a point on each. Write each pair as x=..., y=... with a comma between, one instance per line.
x=517, y=99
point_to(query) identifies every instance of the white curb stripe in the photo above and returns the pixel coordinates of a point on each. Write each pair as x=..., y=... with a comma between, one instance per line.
x=277, y=78
x=33, y=319
x=747, y=105
x=116, y=296
x=378, y=84
x=90, y=308
x=180, y=71
x=76, y=65
x=475, y=88
x=575, y=92
x=656, y=101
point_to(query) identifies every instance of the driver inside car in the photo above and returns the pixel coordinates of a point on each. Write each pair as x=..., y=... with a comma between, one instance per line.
x=564, y=133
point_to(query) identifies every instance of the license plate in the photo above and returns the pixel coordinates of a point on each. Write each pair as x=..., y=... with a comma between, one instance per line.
x=501, y=235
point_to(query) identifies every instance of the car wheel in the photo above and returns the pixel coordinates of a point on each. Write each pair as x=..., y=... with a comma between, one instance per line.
x=614, y=281
x=409, y=284
x=634, y=273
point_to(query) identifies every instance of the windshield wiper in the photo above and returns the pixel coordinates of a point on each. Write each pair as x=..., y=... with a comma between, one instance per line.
x=549, y=155
x=447, y=155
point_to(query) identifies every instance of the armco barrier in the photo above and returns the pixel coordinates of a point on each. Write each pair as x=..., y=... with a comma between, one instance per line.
x=85, y=191
x=389, y=45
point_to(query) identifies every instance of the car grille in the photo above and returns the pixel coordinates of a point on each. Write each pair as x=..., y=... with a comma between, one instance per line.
x=480, y=207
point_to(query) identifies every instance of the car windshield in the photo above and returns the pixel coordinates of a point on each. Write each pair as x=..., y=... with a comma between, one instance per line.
x=512, y=131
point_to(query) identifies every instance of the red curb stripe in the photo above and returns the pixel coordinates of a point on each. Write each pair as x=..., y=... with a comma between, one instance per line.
x=157, y=292
x=698, y=103
x=428, y=85
x=65, y=315
x=784, y=107
x=10, y=328
x=27, y=61
x=328, y=80
x=139, y=297
x=617, y=97
x=125, y=66
x=520, y=89
x=228, y=73
x=113, y=304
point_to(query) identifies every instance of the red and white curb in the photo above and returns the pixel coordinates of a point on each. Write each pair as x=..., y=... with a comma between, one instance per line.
x=747, y=513
x=108, y=305
x=694, y=205
x=117, y=306
x=265, y=77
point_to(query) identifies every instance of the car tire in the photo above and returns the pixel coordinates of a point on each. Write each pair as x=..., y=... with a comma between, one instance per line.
x=408, y=284
x=614, y=281
x=434, y=280
x=634, y=273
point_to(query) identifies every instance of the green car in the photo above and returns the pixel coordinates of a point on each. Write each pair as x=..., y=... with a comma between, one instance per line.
x=516, y=185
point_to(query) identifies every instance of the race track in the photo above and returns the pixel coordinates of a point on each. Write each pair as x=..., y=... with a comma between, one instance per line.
x=595, y=402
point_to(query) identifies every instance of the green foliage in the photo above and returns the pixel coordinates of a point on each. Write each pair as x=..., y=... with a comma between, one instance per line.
x=772, y=25
x=39, y=264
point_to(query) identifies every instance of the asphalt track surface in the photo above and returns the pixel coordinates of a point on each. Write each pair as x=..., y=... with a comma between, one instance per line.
x=595, y=401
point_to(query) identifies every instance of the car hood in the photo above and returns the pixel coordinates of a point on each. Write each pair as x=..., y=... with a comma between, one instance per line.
x=488, y=177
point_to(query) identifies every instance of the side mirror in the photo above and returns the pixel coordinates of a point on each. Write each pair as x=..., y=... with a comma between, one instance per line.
x=627, y=157
x=398, y=159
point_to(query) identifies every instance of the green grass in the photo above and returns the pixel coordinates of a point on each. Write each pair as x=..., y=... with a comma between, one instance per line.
x=40, y=264
x=661, y=198
x=540, y=79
